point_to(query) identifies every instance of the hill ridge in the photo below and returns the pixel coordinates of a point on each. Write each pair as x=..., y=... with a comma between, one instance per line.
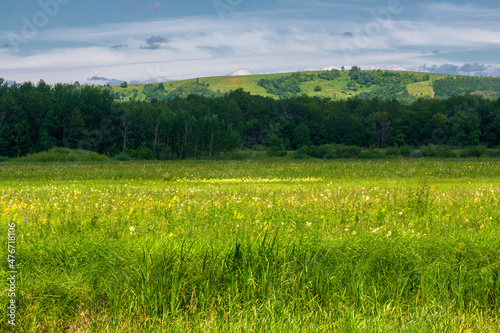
x=336, y=84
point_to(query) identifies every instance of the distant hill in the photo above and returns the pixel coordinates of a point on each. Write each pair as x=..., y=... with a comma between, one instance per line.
x=334, y=84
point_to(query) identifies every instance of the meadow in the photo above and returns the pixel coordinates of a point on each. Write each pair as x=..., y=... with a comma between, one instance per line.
x=400, y=245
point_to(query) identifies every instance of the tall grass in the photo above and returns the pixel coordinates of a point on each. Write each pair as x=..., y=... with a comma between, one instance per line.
x=350, y=246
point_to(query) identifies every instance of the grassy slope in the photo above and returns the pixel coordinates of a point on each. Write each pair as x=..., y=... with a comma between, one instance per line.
x=332, y=89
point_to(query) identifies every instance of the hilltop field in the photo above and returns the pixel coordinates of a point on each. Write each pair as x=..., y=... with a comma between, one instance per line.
x=288, y=85
x=334, y=84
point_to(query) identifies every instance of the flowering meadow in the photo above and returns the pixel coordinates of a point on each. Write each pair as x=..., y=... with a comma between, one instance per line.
x=396, y=245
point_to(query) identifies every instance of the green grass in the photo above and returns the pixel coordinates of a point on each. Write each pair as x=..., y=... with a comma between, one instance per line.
x=264, y=246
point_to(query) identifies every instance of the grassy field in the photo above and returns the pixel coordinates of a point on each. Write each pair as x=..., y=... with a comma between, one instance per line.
x=336, y=89
x=253, y=246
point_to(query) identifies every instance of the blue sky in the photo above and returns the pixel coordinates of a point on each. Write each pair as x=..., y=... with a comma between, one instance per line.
x=70, y=40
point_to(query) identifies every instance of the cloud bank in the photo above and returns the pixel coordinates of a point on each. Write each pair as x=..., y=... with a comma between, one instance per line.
x=180, y=48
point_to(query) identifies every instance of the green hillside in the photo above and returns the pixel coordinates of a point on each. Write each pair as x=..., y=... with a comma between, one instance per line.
x=333, y=84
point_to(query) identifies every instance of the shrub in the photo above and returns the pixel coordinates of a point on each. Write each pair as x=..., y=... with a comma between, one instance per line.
x=276, y=152
x=123, y=157
x=238, y=155
x=4, y=158
x=371, y=153
x=259, y=148
x=144, y=153
x=475, y=151
x=393, y=151
x=406, y=150
x=302, y=153
x=494, y=152
x=220, y=156
x=331, y=154
x=348, y=151
x=321, y=151
x=167, y=154
x=416, y=154
x=437, y=151
x=59, y=154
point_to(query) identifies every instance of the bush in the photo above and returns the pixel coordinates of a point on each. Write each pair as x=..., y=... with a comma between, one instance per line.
x=123, y=157
x=166, y=153
x=144, y=153
x=416, y=154
x=4, y=158
x=259, y=148
x=476, y=151
x=238, y=155
x=321, y=151
x=220, y=156
x=371, y=153
x=406, y=150
x=331, y=154
x=276, y=152
x=494, y=152
x=302, y=153
x=437, y=151
x=348, y=151
x=393, y=151
x=59, y=154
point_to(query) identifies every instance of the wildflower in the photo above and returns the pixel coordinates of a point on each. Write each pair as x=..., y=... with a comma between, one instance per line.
x=171, y=235
x=190, y=232
x=132, y=229
x=308, y=224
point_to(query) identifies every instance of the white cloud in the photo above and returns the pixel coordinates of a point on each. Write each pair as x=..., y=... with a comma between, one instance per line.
x=431, y=34
x=241, y=72
x=201, y=46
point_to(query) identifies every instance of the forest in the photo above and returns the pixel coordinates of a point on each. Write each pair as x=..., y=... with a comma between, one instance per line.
x=38, y=117
x=488, y=86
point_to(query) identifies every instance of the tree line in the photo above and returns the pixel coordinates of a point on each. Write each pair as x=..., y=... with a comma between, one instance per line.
x=38, y=117
x=489, y=86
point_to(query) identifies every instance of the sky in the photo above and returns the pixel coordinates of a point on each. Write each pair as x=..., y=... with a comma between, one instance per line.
x=134, y=40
